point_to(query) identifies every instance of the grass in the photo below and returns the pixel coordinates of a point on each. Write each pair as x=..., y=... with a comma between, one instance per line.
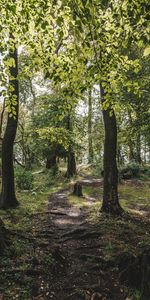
x=31, y=202
x=132, y=195
x=21, y=254
x=118, y=235
x=126, y=234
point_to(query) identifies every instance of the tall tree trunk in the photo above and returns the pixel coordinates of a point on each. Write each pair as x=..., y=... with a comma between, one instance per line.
x=120, y=158
x=71, y=161
x=110, y=194
x=138, y=148
x=145, y=150
x=51, y=161
x=90, y=142
x=131, y=150
x=33, y=96
x=131, y=138
x=8, y=197
x=1, y=119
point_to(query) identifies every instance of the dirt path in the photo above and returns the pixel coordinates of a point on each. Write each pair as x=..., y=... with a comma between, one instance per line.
x=80, y=270
x=71, y=256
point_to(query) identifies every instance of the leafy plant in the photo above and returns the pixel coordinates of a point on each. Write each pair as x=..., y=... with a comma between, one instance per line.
x=132, y=169
x=24, y=179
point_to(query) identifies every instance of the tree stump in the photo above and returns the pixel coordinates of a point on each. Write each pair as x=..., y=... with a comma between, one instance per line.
x=78, y=190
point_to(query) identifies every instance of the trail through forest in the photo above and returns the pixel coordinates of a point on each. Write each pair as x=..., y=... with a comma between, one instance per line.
x=81, y=271
x=72, y=251
x=83, y=266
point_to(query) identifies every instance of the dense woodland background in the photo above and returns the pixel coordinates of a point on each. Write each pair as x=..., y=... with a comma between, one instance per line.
x=74, y=125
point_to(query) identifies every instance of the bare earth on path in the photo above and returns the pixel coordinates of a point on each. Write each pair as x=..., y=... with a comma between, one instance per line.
x=84, y=267
x=73, y=252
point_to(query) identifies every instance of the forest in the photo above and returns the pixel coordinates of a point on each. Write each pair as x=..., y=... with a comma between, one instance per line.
x=74, y=150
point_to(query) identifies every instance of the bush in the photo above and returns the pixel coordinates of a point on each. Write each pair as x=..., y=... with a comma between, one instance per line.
x=145, y=170
x=97, y=168
x=134, y=170
x=24, y=179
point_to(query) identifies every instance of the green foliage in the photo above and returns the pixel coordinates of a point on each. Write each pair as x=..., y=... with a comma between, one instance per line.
x=147, y=51
x=136, y=170
x=51, y=176
x=137, y=295
x=24, y=179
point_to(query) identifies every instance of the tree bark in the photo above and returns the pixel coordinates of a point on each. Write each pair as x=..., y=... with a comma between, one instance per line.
x=131, y=151
x=110, y=194
x=8, y=196
x=51, y=162
x=71, y=161
x=138, y=148
x=1, y=118
x=90, y=142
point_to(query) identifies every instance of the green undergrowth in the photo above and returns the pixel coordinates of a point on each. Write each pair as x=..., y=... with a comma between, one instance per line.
x=120, y=237
x=24, y=256
x=129, y=233
x=32, y=201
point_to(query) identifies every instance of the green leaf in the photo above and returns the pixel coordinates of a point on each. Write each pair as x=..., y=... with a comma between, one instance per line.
x=146, y=51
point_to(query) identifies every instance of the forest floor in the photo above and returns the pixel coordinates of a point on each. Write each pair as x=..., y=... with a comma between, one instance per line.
x=71, y=251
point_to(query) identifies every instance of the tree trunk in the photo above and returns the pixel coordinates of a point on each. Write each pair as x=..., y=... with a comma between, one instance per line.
x=145, y=150
x=138, y=148
x=8, y=197
x=51, y=162
x=131, y=151
x=110, y=194
x=33, y=97
x=71, y=161
x=90, y=142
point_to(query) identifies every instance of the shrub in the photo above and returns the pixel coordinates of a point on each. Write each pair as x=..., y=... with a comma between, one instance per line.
x=134, y=168
x=24, y=179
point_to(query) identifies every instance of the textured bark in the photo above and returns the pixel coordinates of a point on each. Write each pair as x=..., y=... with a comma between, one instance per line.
x=51, y=162
x=110, y=194
x=90, y=142
x=1, y=119
x=138, y=148
x=8, y=197
x=71, y=161
x=131, y=150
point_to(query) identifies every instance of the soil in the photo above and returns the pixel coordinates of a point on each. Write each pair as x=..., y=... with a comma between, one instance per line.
x=76, y=266
x=81, y=271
